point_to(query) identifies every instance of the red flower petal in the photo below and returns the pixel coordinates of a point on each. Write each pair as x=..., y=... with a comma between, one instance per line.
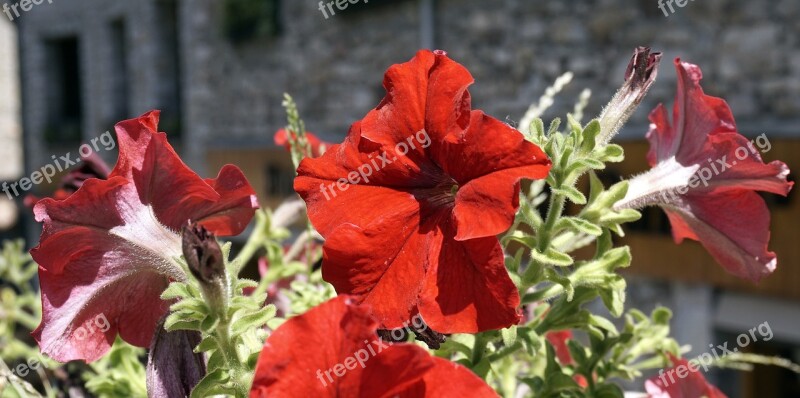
x=347, y=359
x=670, y=385
x=489, y=170
x=695, y=116
x=107, y=251
x=483, y=298
x=458, y=181
x=147, y=159
x=732, y=225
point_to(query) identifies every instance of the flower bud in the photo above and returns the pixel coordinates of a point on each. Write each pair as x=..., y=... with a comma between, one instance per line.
x=202, y=253
x=639, y=76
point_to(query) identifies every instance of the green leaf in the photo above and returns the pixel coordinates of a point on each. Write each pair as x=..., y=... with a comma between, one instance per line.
x=613, y=296
x=246, y=283
x=595, y=187
x=190, y=304
x=572, y=193
x=611, y=153
x=621, y=217
x=207, y=345
x=604, y=324
x=554, y=125
x=531, y=340
x=209, y=324
x=176, y=290
x=578, y=225
x=552, y=256
x=213, y=384
x=553, y=276
x=521, y=237
x=589, y=136
x=509, y=335
x=175, y=322
x=254, y=320
x=612, y=195
x=608, y=391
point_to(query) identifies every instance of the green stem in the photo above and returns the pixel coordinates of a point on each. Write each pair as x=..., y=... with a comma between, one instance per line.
x=506, y=351
x=554, y=211
x=481, y=340
x=254, y=242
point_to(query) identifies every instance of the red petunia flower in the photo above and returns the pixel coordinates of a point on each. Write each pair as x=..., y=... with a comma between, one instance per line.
x=705, y=175
x=318, y=146
x=333, y=351
x=109, y=250
x=411, y=202
x=683, y=380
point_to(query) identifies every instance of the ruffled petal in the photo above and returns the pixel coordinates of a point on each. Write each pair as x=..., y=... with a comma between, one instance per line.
x=289, y=366
x=732, y=225
x=467, y=288
x=385, y=274
x=661, y=136
x=348, y=359
x=427, y=93
x=735, y=163
x=669, y=385
x=488, y=161
x=174, y=191
x=696, y=115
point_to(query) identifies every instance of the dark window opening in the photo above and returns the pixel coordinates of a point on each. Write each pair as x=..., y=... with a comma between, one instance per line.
x=64, y=97
x=279, y=182
x=169, y=67
x=120, y=88
x=246, y=20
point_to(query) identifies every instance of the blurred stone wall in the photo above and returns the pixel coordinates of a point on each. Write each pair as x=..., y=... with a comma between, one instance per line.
x=10, y=130
x=231, y=93
x=514, y=48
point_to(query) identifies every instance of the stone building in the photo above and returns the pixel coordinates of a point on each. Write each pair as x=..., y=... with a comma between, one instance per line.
x=218, y=70
x=10, y=129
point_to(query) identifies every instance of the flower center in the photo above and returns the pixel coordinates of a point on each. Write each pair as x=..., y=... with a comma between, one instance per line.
x=441, y=196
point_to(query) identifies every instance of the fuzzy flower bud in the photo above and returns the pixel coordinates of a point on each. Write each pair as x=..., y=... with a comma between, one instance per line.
x=639, y=76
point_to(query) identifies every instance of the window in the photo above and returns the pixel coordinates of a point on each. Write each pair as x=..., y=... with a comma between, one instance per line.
x=64, y=99
x=279, y=181
x=169, y=67
x=120, y=89
x=246, y=20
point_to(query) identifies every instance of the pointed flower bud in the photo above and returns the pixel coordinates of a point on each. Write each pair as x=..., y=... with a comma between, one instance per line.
x=639, y=76
x=173, y=368
x=202, y=253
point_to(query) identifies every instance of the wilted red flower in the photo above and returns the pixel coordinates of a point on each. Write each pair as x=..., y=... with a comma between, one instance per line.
x=318, y=146
x=683, y=380
x=705, y=175
x=91, y=166
x=109, y=250
x=411, y=202
x=333, y=350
